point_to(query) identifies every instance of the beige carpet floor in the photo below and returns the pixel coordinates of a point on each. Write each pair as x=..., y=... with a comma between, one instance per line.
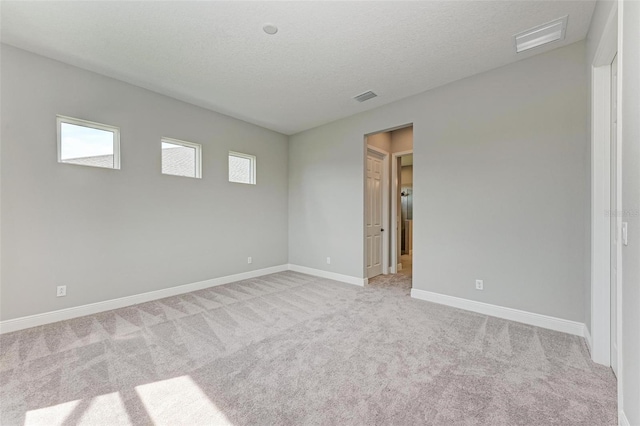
x=292, y=349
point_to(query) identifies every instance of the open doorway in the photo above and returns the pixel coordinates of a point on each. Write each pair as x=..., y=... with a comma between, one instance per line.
x=404, y=214
x=389, y=204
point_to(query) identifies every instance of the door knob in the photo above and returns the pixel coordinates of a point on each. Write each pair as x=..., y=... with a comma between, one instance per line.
x=381, y=229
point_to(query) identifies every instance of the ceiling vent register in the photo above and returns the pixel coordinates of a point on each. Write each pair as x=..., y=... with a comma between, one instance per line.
x=541, y=35
x=365, y=96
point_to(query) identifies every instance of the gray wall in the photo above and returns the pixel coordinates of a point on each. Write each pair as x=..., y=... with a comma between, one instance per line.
x=501, y=161
x=629, y=66
x=113, y=233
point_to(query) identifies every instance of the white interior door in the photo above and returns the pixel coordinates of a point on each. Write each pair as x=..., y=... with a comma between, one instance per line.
x=614, y=215
x=373, y=215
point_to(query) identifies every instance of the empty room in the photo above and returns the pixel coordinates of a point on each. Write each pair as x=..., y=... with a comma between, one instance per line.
x=310, y=213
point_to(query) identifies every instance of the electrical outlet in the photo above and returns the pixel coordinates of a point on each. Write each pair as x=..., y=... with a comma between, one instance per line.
x=249, y=260
x=479, y=285
x=328, y=261
x=61, y=291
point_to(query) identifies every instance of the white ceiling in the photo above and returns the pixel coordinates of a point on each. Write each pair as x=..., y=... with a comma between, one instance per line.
x=215, y=54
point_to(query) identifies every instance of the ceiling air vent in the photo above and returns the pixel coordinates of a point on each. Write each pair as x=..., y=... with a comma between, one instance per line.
x=365, y=96
x=543, y=34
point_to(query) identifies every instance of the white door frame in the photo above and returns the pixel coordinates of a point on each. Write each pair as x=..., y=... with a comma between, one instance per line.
x=384, y=156
x=394, y=208
x=615, y=219
x=601, y=200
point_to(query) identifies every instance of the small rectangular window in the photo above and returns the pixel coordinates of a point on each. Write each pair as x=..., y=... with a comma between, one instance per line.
x=242, y=168
x=180, y=158
x=87, y=143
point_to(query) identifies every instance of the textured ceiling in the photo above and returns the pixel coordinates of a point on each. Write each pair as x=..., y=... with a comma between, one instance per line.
x=215, y=54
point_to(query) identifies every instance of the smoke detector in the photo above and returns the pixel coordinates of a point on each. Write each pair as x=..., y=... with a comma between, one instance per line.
x=270, y=29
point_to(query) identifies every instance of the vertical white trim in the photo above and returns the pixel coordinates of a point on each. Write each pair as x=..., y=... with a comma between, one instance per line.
x=610, y=44
x=618, y=18
x=394, y=209
x=393, y=223
x=601, y=192
x=384, y=156
x=618, y=226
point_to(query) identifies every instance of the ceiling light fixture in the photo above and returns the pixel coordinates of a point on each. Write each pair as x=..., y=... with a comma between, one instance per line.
x=270, y=29
x=543, y=34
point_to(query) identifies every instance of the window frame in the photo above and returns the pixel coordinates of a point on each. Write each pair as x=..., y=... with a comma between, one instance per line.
x=252, y=171
x=196, y=146
x=91, y=125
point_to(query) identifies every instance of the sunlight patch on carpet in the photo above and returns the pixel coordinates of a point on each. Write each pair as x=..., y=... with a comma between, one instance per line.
x=179, y=401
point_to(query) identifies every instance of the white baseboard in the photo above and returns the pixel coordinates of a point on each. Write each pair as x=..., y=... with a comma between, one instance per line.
x=587, y=338
x=94, y=308
x=484, y=308
x=538, y=320
x=622, y=419
x=330, y=275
